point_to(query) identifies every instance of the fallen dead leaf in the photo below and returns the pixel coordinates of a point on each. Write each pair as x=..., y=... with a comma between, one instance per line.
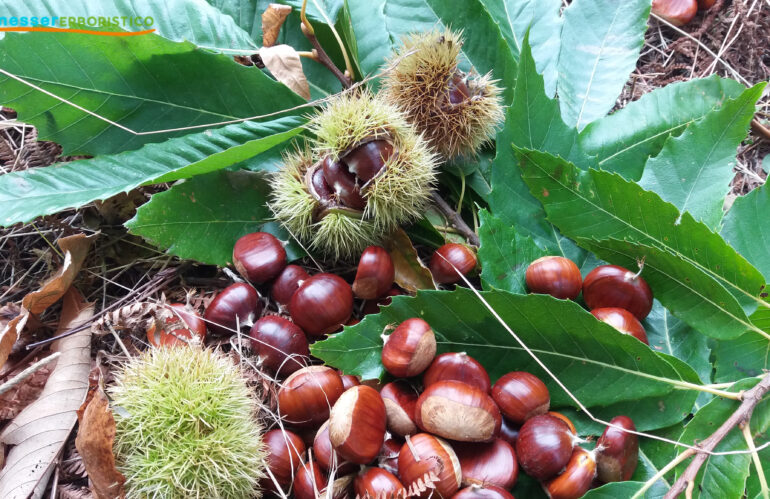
x=10, y=334
x=284, y=63
x=41, y=429
x=272, y=20
x=96, y=433
x=411, y=274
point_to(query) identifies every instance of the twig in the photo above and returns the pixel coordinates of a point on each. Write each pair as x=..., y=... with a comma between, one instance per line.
x=760, y=129
x=742, y=415
x=26, y=373
x=321, y=55
x=746, y=430
x=455, y=220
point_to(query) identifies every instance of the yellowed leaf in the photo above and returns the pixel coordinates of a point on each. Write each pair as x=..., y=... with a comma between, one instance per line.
x=272, y=20
x=284, y=63
x=411, y=274
x=38, y=433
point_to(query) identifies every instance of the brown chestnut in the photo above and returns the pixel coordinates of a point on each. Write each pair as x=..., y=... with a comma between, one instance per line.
x=617, y=451
x=423, y=455
x=576, y=478
x=236, y=305
x=373, y=307
x=367, y=160
x=458, y=411
x=677, y=12
x=307, y=396
x=492, y=463
x=388, y=458
x=521, y=395
x=259, y=257
x=487, y=492
x=613, y=286
x=509, y=431
x=544, y=446
x=447, y=258
x=706, y=4
x=564, y=418
x=554, y=275
x=376, y=483
x=400, y=400
x=622, y=320
x=179, y=326
x=349, y=381
x=410, y=349
x=280, y=345
x=322, y=304
x=327, y=458
x=285, y=452
x=287, y=282
x=343, y=183
x=309, y=482
x=458, y=367
x=375, y=273
x=357, y=424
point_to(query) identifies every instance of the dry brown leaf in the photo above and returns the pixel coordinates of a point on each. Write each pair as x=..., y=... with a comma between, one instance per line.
x=284, y=63
x=96, y=433
x=17, y=398
x=41, y=429
x=272, y=20
x=10, y=334
x=411, y=274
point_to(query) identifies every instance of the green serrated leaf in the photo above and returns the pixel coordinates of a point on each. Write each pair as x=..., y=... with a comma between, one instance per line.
x=600, y=43
x=623, y=141
x=747, y=228
x=27, y=194
x=693, y=171
x=145, y=83
x=615, y=490
x=606, y=370
x=748, y=355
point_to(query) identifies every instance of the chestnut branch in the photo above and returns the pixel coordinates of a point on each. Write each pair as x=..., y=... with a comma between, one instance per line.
x=455, y=220
x=319, y=53
x=742, y=415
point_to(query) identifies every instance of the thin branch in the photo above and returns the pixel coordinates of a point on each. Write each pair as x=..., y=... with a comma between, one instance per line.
x=26, y=373
x=742, y=415
x=746, y=429
x=322, y=56
x=455, y=220
x=760, y=129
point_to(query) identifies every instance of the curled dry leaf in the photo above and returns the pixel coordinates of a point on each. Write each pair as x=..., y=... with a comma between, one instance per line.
x=284, y=63
x=10, y=334
x=41, y=429
x=411, y=274
x=272, y=20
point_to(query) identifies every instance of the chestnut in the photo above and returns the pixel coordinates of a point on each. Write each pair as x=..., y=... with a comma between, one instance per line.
x=388, y=458
x=544, y=446
x=576, y=478
x=179, y=326
x=422, y=455
x=306, y=397
x=509, y=431
x=348, y=380
x=564, y=418
x=521, y=395
x=287, y=282
x=309, y=481
x=375, y=273
x=447, y=258
x=357, y=424
x=259, y=257
x=492, y=463
x=622, y=320
x=400, y=400
x=376, y=483
x=458, y=367
x=285, y=452
x=368, y=159
x=617, y=451
x=279, y=344
x=486, y=492
x=327, y=458
x=236, y=305
x=554, y=275
x=373, y=307
x=613, y=286
x=458, y=411
x=322, y=304
x=410, y=349
x=677, y=12
x=343, y=183
x=706, y=4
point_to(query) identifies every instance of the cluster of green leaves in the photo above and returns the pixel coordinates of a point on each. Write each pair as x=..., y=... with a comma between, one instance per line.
x=647, y=181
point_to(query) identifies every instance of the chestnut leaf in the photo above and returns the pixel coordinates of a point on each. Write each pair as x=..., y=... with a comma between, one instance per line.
x=747, y=228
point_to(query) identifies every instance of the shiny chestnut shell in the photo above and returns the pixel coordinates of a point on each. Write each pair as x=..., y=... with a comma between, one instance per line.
x=677, y=12
x=259, y=257
x=457, y=411
x=520, y=396
x=325, y=455
x=287, y=282
x=613, y=286
x=375, y=274
x=357, y=424
x=425, y=454
x=447, y=256
x=322, y=304
x=285, y=452
x=309, y=482
x=307, y=396
x=458, y=367
x=622, y=320
x=617, y=451
x=576, y=478
x=488, y=492
x=376, y=483
x=564, y=418
x=349, y=381
x=544, y=446
x=280, y=345
x=492, y=463
x=367, y=160
x=343, y=183
x=400, y=400
x=554, y=275
x=181, y=326
x=509, y=431
x=388, y=458
x=409, y=349
x=236, y=305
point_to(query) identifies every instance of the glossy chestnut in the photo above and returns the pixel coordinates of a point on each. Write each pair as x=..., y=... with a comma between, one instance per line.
x=622, y=320
x=367, y=160
x=343, y=183
x=544, y=446
x=357, y=424
x=307, y=396
x=509, y=431
x=375, y=483
x=259, y=257
x=325, y=455
x=373, y=307
x=236, y=305
x=349, y=381
x=492, y=463
x=322, y=304
x=487, y=492
x=564, y=418
x=388, y=458
x=425, y=454
x=400, y=401
x=613, y=286
x=409, y=349
x=520, y=396
x=179, y=326
x=617, y=451
x=554, y=275
x=280, y=345
x=287, y=282
x=457, y=366
x=309, y=482
x=677, y=12
x=447, y=258
x=285, y=452
x=375, y=274
x=576, y=478
x=457, y=411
